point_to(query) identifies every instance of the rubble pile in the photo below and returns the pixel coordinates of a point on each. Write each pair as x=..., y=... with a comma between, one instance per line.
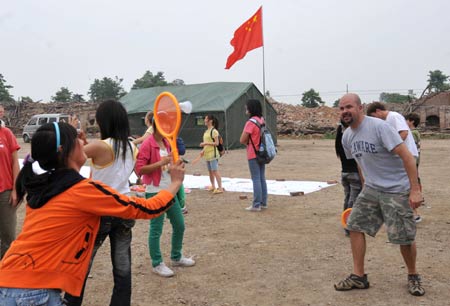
x=18, y=114
x=297, y=120
x=294, y=120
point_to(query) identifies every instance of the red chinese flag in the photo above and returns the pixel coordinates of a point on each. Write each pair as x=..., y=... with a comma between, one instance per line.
x=247, y=37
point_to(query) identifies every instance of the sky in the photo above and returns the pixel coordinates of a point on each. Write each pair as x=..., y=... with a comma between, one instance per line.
x=328, y=45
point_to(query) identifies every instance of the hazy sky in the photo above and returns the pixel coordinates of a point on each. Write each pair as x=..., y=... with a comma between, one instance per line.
x=373, y=46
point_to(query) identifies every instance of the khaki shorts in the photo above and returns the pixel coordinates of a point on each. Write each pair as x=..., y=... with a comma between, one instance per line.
x=372, y=208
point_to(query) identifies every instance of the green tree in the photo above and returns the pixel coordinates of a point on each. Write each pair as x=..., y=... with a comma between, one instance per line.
x=336, y=103
x=4, y=90
x=394, y=97
x=149, y=80
x=78, y=98
x=311, y=99
x=106, y=88
x=437, y=81
x=177, y=82
x=26, y=99
x=62, y=95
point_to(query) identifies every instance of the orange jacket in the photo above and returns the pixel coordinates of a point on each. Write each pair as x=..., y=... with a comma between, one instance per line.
x=55, y=245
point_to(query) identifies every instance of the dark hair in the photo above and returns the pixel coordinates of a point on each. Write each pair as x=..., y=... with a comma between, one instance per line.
x=414, y=117
x=214, y=120
x=113, y=121
x=374, y=106
x=254, y=107
x=44, y=150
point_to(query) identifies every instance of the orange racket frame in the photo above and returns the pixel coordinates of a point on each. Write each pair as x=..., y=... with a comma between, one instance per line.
x=344, y=217
x=174, y=108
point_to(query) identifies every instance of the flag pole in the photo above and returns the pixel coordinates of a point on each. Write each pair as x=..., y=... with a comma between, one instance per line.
x=264, y=70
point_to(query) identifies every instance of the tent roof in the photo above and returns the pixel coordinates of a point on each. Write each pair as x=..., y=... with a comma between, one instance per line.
x=204, y=97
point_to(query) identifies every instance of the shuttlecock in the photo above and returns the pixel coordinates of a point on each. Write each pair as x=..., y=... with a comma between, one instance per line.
x=186, y=107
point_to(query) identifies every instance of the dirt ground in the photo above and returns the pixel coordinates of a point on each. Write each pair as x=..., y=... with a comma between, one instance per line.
x=292, y=253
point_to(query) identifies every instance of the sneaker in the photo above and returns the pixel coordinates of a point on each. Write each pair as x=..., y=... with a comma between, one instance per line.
x=352, y=282
x=184, y=210
x=418, y=219
x=163, y=270
x=415, y=285
x=183, y=262
x=264, y=206
x=252, y=208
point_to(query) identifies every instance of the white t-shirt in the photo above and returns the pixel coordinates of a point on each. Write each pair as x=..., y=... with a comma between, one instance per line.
x=398, y=122
x=165, y=176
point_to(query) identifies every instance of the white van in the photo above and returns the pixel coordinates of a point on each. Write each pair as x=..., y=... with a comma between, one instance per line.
x=37, y=120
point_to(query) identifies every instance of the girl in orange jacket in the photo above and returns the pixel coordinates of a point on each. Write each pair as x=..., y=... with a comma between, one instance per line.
x=63, y=212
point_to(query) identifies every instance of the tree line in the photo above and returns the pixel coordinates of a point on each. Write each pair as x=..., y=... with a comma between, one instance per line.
x=99, y=90
x=111, y=88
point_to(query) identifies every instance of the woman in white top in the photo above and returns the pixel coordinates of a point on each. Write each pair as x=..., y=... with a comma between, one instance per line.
x=113, y=158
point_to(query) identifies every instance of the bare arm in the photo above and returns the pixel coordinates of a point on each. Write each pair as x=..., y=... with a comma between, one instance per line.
x=15, y=172
x=403, y=134
x=100, y=153
x=141, y=139
x=415, y=196
x=244, y=138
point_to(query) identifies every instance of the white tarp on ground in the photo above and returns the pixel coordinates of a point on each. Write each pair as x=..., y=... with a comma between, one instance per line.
x=245, y=185
x=238, y=184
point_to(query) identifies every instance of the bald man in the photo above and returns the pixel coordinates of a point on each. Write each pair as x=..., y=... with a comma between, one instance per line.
x=391, y=191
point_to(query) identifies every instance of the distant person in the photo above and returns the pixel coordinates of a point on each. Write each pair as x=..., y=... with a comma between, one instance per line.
x=391, y=190
x=350, y=178
x=113, y=158
x=413, y=121
x=152, y=164
x=54, y=249
x=251, y=133
x=148, y=123
x=398, y=122
x=211, y=154
x=9, y=165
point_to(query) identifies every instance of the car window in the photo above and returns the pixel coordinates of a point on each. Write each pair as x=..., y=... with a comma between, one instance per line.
x=52, y=119
x=32, y=121
x=42, y=121
x=64, y=119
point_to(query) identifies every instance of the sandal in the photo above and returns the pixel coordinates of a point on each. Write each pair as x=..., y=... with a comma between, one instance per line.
x=217, y=191
x=352, y=282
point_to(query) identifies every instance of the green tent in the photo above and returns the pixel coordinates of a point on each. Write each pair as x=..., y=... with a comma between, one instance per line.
x=225, y=100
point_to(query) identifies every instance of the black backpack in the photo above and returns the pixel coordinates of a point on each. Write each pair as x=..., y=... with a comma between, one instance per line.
x=220, y=146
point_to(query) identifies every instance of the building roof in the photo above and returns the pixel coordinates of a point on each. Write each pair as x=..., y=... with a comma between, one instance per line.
x=204, y=97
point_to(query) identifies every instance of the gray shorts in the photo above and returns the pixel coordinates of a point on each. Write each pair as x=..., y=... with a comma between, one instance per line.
x=372, y=208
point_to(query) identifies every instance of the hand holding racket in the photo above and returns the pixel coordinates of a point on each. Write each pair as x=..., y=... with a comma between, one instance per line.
x=167, y=115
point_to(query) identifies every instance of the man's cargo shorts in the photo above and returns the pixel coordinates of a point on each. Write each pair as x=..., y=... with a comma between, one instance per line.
x=372, y=208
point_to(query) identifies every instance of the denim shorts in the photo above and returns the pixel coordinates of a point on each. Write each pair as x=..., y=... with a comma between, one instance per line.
x=372, y=208
x=30, y=297
x=212, y=165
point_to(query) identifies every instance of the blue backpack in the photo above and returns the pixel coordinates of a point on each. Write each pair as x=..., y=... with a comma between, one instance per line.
x=267, y=150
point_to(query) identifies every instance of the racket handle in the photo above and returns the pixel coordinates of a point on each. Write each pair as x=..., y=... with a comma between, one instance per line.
x=173, y=146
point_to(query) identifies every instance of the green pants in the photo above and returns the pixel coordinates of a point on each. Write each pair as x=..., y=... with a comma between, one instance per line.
x=175, y=215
